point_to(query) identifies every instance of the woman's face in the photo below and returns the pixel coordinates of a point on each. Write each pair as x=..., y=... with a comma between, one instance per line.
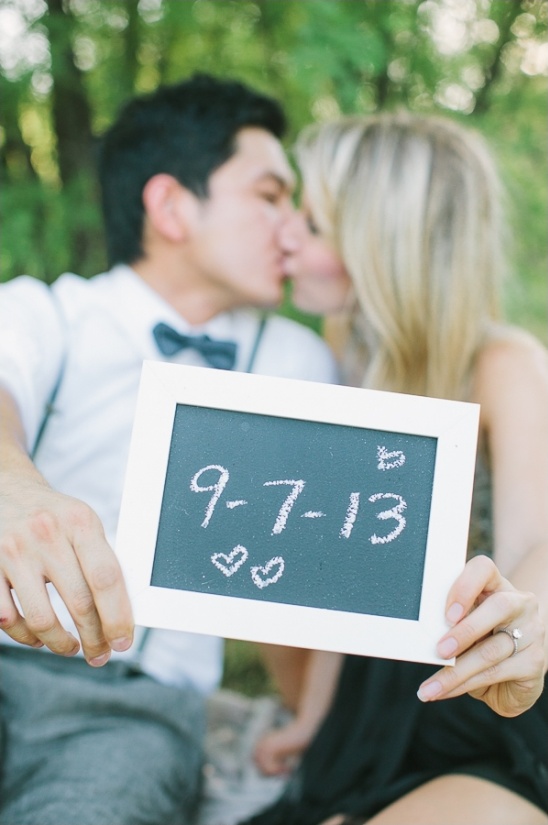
x=320, y=283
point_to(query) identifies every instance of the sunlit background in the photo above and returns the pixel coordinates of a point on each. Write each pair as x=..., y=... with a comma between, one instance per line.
x=67, y=65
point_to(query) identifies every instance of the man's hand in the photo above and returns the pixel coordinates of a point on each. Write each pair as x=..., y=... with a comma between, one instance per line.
x=49, y=537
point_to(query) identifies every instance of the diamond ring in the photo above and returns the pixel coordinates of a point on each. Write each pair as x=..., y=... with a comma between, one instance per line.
x=514, y=633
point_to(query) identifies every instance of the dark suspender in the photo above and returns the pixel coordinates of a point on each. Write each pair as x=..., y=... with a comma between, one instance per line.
x=257, y=342
x=49, y=409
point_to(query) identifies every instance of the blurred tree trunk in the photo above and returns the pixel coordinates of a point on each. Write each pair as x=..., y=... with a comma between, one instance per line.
x=15, y=153
x=493, y=70
x=71, y=115
x=131, y=42
x=70, y=107
x=269, y=26
x=382, y=88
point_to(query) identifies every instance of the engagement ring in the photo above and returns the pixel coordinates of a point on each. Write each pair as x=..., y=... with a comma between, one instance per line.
x=514, y=634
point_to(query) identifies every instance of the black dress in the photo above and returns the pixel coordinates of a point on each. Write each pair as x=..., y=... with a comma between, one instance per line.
x=379, y=742
x=365, y=758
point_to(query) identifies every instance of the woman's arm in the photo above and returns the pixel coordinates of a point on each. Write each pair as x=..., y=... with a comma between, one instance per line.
x=512, y=388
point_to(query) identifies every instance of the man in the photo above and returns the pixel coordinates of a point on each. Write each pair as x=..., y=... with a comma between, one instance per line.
x=196, y=196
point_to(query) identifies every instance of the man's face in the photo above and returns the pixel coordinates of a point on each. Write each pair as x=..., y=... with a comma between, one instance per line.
x=236, y=247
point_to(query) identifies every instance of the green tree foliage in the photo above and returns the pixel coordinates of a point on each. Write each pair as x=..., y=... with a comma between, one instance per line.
x=67, y=65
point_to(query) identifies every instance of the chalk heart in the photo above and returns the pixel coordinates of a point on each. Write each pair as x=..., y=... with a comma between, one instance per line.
x=260, y=575
x=383, y=455
x=229, y=563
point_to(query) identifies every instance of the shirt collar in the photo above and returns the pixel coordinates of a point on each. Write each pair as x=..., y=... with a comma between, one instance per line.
x=138, y=308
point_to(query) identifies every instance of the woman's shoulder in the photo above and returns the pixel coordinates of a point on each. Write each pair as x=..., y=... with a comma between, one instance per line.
x=511, y=361
x=510, y=347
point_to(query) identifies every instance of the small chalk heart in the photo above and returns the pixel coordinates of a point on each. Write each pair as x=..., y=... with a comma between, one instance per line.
x=258, y=573
x=229, y=563
x=383, y=455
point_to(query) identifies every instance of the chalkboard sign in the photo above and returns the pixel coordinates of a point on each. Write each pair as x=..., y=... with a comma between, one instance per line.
x=296, y=513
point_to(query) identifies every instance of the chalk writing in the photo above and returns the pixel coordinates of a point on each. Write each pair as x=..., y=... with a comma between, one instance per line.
x=229, y=563
x=383, y=455
x=287, y=506
x=232, y=504
x=395, y=513
x=217, y=488
x=257, y=573
x=351, y=514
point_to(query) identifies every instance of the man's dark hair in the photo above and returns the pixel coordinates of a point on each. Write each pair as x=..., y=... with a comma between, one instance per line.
x=186, y=130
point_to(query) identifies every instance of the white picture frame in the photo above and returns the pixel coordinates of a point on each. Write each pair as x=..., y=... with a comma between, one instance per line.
x=165, y=386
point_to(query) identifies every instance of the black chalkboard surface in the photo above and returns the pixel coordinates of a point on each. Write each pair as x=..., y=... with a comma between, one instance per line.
x=293, y=512
x=297, y=512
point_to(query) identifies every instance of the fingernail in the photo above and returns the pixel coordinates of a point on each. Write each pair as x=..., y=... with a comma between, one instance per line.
x=447, y=647
x=119, y=645
x=99, y=661
x=429, y=691
x=454, y=613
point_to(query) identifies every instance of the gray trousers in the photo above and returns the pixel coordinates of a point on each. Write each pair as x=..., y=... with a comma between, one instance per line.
x=85, y=746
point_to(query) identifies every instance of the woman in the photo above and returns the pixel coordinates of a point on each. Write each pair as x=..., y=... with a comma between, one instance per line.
x=405, y=211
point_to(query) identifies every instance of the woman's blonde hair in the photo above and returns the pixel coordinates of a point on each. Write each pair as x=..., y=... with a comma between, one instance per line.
x=412, y=204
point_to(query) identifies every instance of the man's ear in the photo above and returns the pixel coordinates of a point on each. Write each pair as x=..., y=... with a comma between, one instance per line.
x=169, y=207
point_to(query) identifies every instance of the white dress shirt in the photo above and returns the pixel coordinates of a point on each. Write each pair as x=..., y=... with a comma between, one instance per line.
x=101, y=330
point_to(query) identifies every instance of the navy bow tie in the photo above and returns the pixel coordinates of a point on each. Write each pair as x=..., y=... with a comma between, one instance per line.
x=219, y=354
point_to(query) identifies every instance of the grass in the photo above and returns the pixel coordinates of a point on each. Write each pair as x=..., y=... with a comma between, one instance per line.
x=244, y=670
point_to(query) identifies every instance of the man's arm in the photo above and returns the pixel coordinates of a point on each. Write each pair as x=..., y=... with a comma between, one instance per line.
x=46, y=536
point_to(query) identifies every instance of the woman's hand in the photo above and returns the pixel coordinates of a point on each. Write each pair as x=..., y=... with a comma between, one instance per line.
x=480, y=603
x=277, y=751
